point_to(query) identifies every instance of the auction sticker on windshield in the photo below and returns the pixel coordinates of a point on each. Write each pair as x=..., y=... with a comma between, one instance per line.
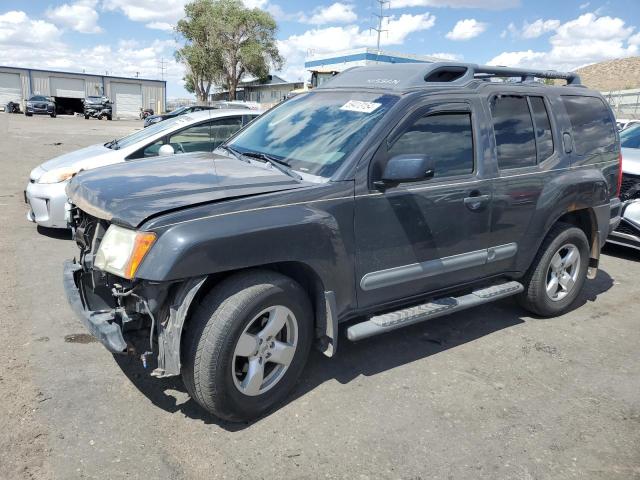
x=359, y=106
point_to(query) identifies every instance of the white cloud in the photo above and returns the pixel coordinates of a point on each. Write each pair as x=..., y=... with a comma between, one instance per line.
x=482, y=4
x=255, y=3
x=17, y=29
x=332, y=39
x=80, y=16
x=148, y=10
x=531, y=30
x=466, y=29
x=584, y=5
x=164, y=26
x=454, y=57
x=582, y=41
x=334, y=13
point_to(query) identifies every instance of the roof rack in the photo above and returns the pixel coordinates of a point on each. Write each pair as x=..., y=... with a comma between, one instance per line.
x=417, y=75
x=525, y=74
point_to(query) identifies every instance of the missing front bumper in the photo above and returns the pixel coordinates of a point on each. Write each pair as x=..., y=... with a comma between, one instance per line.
x=101, y=324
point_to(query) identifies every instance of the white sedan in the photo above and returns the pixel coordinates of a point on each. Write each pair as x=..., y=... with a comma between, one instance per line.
x=196, y=132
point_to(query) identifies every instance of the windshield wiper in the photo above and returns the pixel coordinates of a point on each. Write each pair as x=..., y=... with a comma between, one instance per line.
x=281, y=165
x=112, y=143
x=233, y=152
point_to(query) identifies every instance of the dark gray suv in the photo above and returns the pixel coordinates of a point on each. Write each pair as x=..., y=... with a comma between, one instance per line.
x=389, y=196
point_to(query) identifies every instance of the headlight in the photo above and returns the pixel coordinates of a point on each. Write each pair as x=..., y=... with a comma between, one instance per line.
x=29, y=104
x=122, y=250
x=58, y=175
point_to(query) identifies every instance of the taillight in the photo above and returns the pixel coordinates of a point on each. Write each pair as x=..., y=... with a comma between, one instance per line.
x=619, y=175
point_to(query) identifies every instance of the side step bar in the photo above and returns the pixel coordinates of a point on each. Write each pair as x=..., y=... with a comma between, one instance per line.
x=436, y=308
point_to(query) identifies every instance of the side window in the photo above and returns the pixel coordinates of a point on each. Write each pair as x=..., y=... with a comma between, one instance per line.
x=446, y=137
x=150, y=150
x=591, y=123
x=192, y=139
x=544, y=138
x=223, y=128
x=513, y=129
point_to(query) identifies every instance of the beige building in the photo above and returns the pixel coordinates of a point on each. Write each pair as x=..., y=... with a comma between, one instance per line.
x=68, y=89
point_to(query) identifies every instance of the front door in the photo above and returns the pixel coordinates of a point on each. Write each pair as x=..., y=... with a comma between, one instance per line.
x=419, y=237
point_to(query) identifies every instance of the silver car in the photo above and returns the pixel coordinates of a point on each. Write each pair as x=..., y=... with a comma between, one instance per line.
x=628, y=232
x=194, y=132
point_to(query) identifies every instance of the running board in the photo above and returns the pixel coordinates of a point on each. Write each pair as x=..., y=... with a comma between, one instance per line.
x=436, y=308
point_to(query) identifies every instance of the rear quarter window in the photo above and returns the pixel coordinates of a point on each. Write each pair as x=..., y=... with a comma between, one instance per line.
x=591, y=122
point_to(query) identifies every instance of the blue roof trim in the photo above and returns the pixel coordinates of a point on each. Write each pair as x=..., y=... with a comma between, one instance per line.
x=356, y=57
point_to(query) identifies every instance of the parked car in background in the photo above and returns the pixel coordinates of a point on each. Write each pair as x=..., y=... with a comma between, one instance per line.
x=151, y=119
x=97, y=107
x=628, y=232
x=195, y=132
x=388, y=196
x=40, y=105
x=623, y=123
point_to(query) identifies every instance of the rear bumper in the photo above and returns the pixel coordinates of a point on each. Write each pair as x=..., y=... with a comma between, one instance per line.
x=101, y=324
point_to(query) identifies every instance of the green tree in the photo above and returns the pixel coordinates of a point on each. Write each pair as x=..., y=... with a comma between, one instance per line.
x=226, y=41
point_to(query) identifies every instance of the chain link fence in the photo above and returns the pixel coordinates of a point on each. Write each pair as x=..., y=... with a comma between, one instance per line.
x=625, y=103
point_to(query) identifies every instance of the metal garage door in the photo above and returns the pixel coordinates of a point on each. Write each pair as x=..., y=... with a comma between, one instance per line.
x=10, y=88
x=127, y=99
x=66, y=87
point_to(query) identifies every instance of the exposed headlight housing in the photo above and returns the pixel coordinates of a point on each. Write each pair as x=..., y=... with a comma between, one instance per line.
x=122, y=250
x=57, y=175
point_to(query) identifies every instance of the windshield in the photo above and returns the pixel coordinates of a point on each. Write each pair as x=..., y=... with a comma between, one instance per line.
x=630, y=137
x=38, y=98
x=177, y=111
x=148, y=132
x=314, y=132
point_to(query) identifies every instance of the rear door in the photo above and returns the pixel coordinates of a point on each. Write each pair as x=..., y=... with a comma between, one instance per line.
x=527, y=154
x=419, y=237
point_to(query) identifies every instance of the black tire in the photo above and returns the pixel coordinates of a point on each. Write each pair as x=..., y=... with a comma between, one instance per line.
x=53, y=115
x=535, y=297
x=212, y=333
x=27, y=114
x=86, y=117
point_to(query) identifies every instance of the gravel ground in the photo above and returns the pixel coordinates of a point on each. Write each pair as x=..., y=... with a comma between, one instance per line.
x=488, y=393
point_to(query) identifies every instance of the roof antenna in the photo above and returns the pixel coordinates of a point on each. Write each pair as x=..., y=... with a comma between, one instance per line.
x=381, y=16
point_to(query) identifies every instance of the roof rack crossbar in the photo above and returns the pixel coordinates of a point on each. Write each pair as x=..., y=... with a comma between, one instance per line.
x=526, y=74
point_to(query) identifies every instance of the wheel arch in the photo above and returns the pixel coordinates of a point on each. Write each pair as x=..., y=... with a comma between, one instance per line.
x=185, y=297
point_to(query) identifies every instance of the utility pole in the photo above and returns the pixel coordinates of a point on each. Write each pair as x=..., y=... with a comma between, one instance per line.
x=381, y=17
x=162, y=67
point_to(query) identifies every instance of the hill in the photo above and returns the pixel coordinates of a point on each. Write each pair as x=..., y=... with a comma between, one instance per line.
x=619, y=74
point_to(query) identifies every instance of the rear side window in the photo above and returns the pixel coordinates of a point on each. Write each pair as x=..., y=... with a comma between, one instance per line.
x=446, y=137
x=513, y=128
x=593, y=129
x=544, y=138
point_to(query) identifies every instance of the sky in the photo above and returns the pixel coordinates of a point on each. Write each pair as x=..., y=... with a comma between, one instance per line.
x=136, y=37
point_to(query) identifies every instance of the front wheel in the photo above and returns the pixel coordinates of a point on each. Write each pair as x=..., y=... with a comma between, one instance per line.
x=246, y=344
x=558, y=272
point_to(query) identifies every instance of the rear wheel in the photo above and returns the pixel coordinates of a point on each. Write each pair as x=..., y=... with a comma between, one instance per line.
x=246, y=344
x=86, y=117
x=558, y=272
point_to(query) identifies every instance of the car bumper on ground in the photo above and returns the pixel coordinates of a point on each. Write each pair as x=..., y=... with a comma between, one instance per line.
x=627, y=232
x=102, y=323
x=47, y=204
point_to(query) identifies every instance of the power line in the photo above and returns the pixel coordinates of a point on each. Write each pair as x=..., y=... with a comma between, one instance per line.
x=381, y=16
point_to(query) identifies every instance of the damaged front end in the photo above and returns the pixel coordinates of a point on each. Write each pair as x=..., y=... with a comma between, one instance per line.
x=628, y=231
x=123, y=313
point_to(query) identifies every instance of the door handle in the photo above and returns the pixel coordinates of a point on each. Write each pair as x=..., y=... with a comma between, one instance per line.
x=475, y=201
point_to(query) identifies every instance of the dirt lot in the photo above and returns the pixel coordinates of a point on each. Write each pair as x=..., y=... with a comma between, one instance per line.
x=489, y=393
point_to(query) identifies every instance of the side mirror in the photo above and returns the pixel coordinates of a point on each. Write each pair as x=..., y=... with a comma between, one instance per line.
x=406, y=168
x=166, y=150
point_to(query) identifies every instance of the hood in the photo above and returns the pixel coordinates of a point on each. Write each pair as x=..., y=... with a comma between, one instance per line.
x=83, y=158
x=131, y=192
x=631, y=161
